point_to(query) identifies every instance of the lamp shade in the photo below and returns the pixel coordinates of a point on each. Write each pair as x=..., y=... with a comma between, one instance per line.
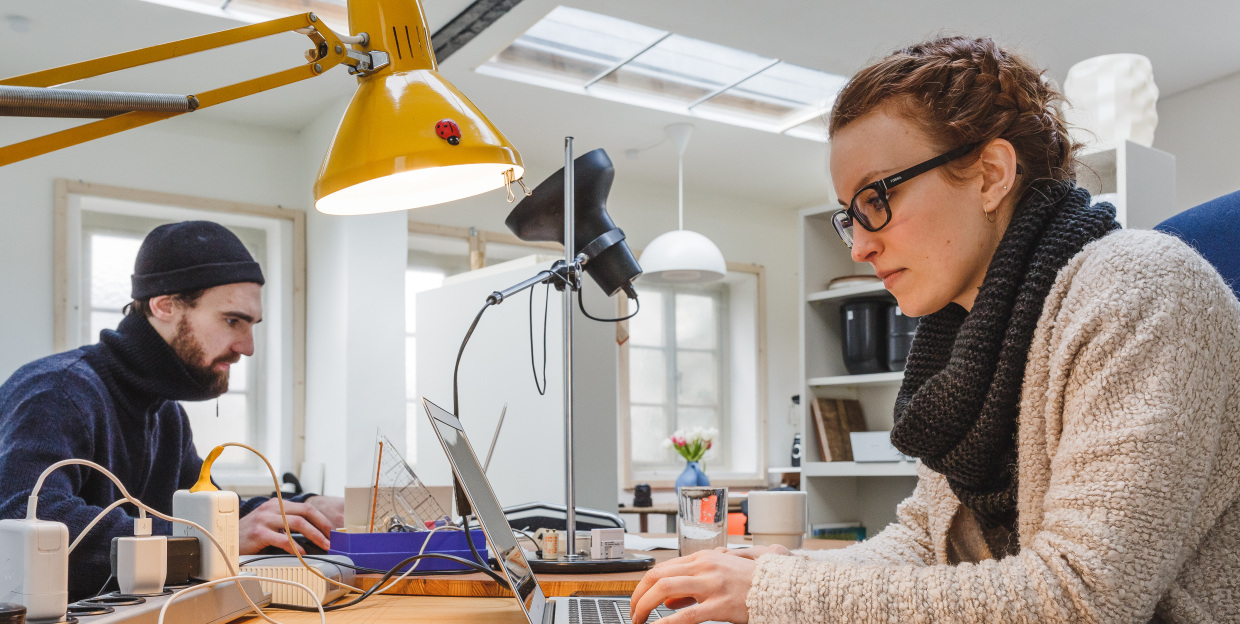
x=682, y=257
x=540, y=217
x=408, y=138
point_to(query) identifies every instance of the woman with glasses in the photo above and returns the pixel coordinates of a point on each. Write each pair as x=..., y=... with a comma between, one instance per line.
x=1072, y=393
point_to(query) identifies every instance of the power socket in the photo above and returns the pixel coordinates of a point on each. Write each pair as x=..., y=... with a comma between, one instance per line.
x=34, y=567
x=219, y=512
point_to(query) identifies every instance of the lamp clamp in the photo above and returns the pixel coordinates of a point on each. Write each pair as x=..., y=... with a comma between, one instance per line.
x=366, y=63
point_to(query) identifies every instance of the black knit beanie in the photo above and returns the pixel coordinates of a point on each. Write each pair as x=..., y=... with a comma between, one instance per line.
x=191, y=255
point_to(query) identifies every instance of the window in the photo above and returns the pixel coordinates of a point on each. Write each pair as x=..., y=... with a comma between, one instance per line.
x=692, y=360
x=102, y=234
x=677, y=346
x=614, y=59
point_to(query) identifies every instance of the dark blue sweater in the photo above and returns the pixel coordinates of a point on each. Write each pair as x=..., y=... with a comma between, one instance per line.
x=113, y=403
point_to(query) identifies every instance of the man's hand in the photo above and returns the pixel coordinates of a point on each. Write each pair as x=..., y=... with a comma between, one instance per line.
x=332, y=508
x=263, y=527
x=707, y=585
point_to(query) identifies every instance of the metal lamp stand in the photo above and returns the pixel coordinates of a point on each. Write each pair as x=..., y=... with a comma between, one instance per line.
x=566, y=276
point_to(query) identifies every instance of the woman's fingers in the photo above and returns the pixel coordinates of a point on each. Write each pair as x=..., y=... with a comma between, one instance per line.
x=708, y=585
x=671, y=588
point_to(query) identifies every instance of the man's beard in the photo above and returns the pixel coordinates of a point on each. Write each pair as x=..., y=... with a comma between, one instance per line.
x=187, y=347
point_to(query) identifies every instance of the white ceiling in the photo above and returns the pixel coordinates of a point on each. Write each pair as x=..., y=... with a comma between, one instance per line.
x=1189, y=44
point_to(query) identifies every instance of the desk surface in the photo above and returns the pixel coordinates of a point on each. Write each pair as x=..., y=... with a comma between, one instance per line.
x=411, y=610
x=475, y=597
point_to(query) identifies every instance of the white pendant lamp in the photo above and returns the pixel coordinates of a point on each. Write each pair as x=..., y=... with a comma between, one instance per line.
x=682, y=256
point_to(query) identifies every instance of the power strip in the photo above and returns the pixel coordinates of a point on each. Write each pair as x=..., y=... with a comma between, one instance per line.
x=210, y=605
x=290, y=569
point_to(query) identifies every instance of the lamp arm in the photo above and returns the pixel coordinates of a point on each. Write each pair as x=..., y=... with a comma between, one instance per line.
x=329, y=50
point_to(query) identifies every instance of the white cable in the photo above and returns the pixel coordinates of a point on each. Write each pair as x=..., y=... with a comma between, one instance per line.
x=106, y=510
x=420, y=553
x=34, y=500
x=164, y=609
x=288, y=532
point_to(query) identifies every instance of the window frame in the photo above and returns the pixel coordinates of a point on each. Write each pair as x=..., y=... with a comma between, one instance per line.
x=757, y=478
x=671, y=350
x=67, y=268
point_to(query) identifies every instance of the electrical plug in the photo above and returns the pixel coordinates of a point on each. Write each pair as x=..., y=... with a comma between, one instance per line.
x=219, y=512
x=34, y=567
x=141, y=560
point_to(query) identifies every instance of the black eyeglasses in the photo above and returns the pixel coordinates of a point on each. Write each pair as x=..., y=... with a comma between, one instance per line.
x=869, y=207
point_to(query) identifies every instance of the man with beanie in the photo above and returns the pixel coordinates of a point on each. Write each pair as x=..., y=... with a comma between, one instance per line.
x=197, y=293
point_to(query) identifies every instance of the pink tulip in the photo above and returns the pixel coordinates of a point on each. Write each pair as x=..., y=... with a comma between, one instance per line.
x=709, y=444
x=678, y=441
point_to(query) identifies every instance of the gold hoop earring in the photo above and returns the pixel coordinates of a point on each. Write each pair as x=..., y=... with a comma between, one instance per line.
x=990, y=217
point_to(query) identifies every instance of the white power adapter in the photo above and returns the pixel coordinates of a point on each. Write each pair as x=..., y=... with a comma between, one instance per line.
x=219, y=512
x=142, y=560
x=34, y=567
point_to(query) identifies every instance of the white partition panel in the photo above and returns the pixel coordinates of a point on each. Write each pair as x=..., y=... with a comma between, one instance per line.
x=528, y=464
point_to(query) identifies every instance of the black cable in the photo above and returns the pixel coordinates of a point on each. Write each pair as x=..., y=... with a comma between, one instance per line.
x=542, y=391
x=582, y=304
x=469, y=539
x=388, y=575
x=456, y=402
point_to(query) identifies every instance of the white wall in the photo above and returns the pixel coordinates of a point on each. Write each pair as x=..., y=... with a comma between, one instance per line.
x=1201, y=128
x=355, y=327
x=220, y=160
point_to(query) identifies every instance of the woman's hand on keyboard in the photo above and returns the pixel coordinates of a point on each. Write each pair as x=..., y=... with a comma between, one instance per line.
x=705, y=586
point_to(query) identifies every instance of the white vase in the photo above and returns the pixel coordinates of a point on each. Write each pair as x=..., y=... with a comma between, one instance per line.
x=1111, y=99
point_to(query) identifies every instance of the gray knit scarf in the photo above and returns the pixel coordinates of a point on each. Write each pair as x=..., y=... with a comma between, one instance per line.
x=958, y=406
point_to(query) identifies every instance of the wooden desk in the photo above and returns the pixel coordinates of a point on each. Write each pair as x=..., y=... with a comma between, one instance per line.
x=411, y=610
x=483, y=586
x=477, y=597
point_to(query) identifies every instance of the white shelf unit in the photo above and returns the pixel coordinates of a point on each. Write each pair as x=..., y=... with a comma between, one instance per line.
x=842, y=491
x=856, y=381
x=862, y=469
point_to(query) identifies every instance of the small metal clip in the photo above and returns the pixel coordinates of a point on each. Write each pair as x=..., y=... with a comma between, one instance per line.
x=509, y=179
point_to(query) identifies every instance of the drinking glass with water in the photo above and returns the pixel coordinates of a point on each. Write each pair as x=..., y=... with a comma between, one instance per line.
x=702, y=520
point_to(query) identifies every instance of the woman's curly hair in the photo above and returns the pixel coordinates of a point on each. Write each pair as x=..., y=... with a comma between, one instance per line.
x=961, y=90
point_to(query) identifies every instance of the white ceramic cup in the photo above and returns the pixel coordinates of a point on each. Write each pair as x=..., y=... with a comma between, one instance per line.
x=778, y=518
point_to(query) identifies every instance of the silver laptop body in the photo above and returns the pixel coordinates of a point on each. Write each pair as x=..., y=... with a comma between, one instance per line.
x=537, y=607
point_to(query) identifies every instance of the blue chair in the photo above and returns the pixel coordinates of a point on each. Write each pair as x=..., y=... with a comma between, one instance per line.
x=1213, y=229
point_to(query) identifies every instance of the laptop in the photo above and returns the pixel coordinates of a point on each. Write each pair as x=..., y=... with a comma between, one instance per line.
x=537, y=607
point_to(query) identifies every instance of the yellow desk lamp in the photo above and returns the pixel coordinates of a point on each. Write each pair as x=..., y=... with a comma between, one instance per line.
x=408, y=139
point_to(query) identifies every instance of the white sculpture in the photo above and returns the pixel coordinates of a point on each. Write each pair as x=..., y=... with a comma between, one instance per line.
x=1111, y=99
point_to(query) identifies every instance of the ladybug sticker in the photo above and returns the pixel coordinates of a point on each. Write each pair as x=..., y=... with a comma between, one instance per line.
x=448, y=131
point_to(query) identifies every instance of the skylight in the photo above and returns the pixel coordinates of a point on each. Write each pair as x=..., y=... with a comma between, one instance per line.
x=613, y=59
x=333, y=12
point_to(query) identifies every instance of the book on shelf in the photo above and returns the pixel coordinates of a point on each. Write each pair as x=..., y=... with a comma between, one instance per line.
x=834, y=419
x=838, y=531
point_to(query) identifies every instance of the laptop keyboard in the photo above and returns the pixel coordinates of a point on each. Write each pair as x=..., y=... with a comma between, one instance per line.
x=606, y=611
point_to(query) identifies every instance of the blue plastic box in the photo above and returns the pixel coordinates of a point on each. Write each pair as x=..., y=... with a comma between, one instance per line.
x=383, y=551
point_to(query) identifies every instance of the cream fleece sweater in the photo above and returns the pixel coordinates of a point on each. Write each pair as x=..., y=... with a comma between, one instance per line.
x=1129, y=447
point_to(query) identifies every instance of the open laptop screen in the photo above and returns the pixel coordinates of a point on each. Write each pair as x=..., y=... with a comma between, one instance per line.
x=487, y=510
